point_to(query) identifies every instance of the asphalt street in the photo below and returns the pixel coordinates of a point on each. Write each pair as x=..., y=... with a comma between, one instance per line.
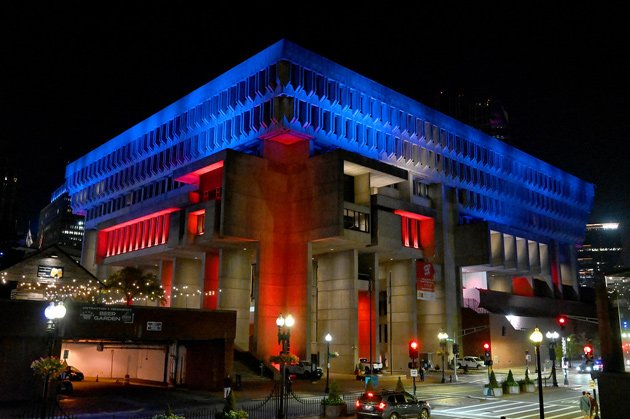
x=453, y=399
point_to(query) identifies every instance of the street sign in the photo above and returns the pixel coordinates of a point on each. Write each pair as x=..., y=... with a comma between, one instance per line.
x=591, y=383
x=413, y=372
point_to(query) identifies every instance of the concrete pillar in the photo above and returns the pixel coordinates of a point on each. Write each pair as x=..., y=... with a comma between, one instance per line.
x=187, y=283
x=88, y=251
x=337, y=301
x=235, y=288
x=362, y=189
x=403, y=317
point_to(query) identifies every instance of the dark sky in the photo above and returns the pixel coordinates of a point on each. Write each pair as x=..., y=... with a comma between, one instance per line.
x=77, y=74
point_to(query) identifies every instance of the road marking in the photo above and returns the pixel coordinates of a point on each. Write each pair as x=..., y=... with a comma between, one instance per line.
x=511, y=408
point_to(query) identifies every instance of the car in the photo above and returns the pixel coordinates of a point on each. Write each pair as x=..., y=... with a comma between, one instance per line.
x=470, y=362
x=305, y=369
x=598, y=365
x=390, y=405
x=365, y=365
x=584, y=367
x=73, y=374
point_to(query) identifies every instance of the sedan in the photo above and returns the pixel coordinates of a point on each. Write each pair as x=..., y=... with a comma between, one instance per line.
x=391, y=404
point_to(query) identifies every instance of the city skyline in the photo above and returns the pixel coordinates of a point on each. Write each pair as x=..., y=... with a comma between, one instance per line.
x=77, y=80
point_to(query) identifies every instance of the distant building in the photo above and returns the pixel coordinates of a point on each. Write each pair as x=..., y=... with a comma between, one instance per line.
x=484, y=113
x=59, y=226
x=601, y=251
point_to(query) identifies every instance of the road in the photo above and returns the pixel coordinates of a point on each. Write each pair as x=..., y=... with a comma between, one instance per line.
x=461, y=399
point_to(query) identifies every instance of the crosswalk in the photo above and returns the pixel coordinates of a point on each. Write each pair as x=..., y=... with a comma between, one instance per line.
x=512, y=409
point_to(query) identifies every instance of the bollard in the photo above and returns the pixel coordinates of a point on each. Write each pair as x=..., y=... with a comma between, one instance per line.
x=126, y=380
x=97, y=378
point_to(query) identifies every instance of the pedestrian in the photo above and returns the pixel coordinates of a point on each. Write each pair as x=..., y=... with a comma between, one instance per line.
x=585, y=405
x=422, y=373
x=594, y=407
x=227, y=386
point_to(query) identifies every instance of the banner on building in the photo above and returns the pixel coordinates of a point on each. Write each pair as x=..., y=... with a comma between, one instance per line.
x=425, y=281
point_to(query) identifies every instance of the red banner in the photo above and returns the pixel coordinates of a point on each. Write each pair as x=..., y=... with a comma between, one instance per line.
x=425, y=281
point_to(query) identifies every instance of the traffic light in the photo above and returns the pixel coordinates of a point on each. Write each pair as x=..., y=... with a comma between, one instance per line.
x=588, y=351
x=413, y=349
x=456, y=348
x=486, y=348
x=562, y=321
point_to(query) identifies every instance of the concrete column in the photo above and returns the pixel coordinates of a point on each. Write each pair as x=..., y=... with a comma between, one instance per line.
x=235, y=288
x=362, y=189
x=449, y=282
x=88, y=251
x=187, y=283
x=337, y=301
x=403, y=317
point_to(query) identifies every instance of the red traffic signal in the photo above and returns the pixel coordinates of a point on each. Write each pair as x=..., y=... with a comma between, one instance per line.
x=413, y=349
x=486, y=346
x=588, y=349
x=562, y=320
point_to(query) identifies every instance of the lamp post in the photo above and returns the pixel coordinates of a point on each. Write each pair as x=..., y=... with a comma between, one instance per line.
x=328, y=338
x=54, y=313
x=536, y=337
x=442, y=336
x=284, y=338
x=552, y=336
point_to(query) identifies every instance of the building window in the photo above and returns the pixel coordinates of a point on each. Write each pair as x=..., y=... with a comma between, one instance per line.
x=356, y=220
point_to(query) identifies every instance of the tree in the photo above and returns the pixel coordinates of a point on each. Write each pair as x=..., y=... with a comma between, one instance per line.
x=130, y=283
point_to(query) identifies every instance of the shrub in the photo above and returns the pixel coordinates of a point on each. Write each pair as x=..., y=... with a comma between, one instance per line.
x=526, y=380
x=399, y=385
x=493, y=381
x=47, y=367
x=510, y=379
x=168, y=414
x=334, y=396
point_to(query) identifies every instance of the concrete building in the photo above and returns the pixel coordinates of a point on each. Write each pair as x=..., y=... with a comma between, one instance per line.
x=291, y=184
x=59, y=226
x=602, y=251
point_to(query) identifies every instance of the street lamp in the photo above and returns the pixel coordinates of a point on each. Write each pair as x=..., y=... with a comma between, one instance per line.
x=284, y=338
x=328, y=338
x=54, y=312
x=569, y=349
x=442, y=336
x=536, y=337
x=552, y=336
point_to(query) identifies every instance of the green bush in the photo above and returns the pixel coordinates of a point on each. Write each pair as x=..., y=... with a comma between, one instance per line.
x=399, y=385
x=493, y=381
x=510, y=381
x=334, y=396
x=526, y=380
x=168, y=414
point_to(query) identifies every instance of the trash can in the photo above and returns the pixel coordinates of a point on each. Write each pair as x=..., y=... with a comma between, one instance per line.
x=238, y=382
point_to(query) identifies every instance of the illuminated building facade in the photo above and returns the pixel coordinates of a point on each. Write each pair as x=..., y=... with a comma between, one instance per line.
x=291, y=184
x=601, y=251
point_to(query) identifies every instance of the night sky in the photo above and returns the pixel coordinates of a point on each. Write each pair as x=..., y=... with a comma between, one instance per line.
x=76, y=75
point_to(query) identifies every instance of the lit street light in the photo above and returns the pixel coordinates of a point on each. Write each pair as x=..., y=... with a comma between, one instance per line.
x=552, y=336
x=54, y=313
x=442, y=336
x=328, y=338
x=536, y=337
x=284, y=337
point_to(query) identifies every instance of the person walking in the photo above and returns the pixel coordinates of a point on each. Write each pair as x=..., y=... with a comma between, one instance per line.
x=594, y=407
x=227, y=386
x=585, y=405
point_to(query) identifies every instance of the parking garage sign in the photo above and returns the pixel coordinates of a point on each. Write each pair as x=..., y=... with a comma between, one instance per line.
x=106, y=314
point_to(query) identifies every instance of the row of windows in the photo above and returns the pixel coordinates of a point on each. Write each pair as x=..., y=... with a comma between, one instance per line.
x=143, y=193
x=214, y=138
x=476, y=203
x=208, y=112
x=356, y=220
x=359, y=106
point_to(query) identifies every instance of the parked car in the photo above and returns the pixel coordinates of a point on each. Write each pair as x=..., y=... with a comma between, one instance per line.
x=391, y=404
x=470, y=362
x=73, y=374
x=365, y=363
x=304, y=369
